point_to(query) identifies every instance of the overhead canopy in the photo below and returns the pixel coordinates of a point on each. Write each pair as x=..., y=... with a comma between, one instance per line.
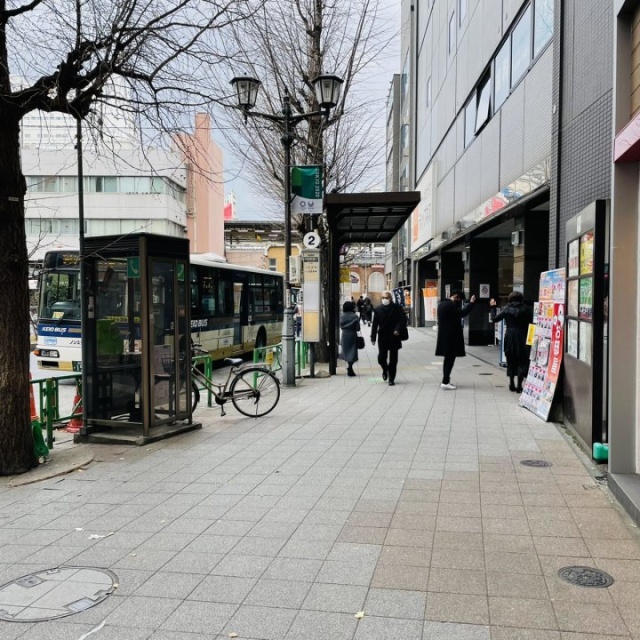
x=369, y=217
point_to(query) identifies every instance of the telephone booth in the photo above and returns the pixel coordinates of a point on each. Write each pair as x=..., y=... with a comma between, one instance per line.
x=136, y=342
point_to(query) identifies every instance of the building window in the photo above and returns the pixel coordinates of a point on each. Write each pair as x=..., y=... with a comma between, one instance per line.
x=429, y=92
x=470, y=112
x=542, y=25
x=462, y=10
x=501, y=75
x=521, y=47
x=452, y=32
x=484, y=102
x=273, y=264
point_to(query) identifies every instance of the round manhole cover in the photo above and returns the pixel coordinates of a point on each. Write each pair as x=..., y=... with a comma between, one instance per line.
x=55, y=593
x=586, y=577
x=535, y=463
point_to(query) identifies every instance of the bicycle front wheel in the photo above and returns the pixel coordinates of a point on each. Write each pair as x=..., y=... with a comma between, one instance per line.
x=255, y=392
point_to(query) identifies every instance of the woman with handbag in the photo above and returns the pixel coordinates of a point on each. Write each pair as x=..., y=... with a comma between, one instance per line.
x=350, y=325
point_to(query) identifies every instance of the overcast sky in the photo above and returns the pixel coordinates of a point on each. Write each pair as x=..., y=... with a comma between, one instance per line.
x=375, y=88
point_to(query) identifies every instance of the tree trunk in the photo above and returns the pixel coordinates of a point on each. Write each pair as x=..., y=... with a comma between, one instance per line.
x=16, y=440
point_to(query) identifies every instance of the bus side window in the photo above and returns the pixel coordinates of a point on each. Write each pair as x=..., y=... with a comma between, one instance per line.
x=208, y=305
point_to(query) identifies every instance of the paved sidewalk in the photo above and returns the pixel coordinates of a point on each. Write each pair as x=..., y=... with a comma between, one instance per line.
x=407, y=503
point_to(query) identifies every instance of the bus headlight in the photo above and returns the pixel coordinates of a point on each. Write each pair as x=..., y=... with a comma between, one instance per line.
x=49, y=353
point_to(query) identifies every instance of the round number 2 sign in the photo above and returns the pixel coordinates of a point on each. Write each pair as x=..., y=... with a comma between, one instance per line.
x=311, y=240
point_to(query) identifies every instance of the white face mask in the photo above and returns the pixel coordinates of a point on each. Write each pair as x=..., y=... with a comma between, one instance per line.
x=386, y=301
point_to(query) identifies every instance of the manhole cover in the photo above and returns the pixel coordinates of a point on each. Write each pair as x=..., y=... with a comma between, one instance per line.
x=55, y=593
x=586, y=577
x=535, y=463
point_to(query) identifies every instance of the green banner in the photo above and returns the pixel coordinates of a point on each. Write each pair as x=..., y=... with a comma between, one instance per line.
x=307, y=189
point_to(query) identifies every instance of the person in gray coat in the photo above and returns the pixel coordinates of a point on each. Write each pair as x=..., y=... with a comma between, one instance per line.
x=350, y=325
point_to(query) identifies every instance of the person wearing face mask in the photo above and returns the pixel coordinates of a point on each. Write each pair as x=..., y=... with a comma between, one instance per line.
x=388, y=320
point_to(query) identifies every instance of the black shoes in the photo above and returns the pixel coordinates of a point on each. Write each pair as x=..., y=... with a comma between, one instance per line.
x=384, y=375
x=392, y=383
x=350, y=372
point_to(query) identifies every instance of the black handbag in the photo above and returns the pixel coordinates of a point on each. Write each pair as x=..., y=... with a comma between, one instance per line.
x=403, y=332
x=360, y=341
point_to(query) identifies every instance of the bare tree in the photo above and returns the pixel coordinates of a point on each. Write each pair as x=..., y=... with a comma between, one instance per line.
x=286, y=45
x=64, y=55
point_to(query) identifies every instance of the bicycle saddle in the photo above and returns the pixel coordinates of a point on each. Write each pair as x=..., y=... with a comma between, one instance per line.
x=234, y=361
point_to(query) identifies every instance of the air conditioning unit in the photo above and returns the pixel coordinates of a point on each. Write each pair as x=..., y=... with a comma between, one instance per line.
x=294, y=269
x=516, y=238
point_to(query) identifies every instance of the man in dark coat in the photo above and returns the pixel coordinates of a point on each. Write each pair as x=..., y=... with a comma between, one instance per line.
x=388, y=320
x=450, y=342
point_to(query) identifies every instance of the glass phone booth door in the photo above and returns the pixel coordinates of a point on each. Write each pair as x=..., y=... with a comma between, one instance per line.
x=169, y=341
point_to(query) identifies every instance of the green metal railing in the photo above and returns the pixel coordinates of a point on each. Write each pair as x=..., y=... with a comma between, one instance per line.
x=50, y=416
x=272, y=356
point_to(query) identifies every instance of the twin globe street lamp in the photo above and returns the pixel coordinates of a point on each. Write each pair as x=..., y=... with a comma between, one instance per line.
x=327, y=92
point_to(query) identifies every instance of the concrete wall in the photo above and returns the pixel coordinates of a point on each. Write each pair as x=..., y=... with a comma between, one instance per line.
x=518, y=135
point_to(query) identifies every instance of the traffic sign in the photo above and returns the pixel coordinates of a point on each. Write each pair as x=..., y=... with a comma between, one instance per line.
x=311, y=240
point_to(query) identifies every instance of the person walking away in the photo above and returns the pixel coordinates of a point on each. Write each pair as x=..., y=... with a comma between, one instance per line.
x=450, y=342
x=517, y=317
x=360, y=306
x=388, y=320
x=368, y=311
x=350, y=325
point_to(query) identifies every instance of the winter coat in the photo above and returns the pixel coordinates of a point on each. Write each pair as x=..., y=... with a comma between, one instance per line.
x=386, y=320
x=517, y=317
x=367, y=310
x=450, y=340
x=350, y=325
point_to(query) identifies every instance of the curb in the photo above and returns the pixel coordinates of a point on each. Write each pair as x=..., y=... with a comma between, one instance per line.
x=59, y=462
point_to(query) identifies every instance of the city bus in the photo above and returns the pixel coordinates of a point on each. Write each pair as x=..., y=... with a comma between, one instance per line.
x=234, y=309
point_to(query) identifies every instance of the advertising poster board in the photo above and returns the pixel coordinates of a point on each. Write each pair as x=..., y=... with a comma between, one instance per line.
x=430, y=296
x=548, y=345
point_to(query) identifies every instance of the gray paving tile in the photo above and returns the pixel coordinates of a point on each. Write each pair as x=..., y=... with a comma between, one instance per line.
x=394, y=603
x=200, y=617
x=297, y=569
x=589, y=618
x=522, y=612
x=353, y=553
x=452, y=631
x=278, y=593
x=143, y=612
x=512, y=633
x=373, y=628
x=260, y=622
x=455, y=581
x=242, y=566
x=311, y=549
x=187, y=562
x=346, y=573
x=457, y=607
x=335, y=597
x=169, y=585
x=320, y=625
x=390, y=576
x=223, y=589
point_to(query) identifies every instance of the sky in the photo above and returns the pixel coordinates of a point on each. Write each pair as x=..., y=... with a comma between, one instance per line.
x=374, y=88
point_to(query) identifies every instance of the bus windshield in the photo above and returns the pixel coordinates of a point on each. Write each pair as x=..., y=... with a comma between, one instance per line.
x=60, y=296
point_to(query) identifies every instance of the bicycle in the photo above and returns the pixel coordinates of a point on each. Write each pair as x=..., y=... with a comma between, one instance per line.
x=253, y=390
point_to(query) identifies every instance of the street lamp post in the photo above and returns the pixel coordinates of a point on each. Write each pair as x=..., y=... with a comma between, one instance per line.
x=327, y=90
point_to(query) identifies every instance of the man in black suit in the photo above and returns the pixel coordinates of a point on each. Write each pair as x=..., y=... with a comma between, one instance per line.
x=450, y=342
